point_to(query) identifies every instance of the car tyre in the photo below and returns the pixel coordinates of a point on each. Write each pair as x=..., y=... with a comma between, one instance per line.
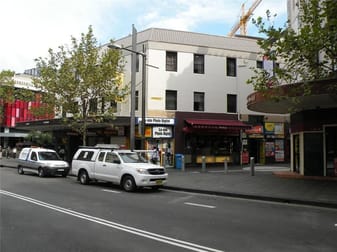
x=129, y=184
x=83, y=178
x=41, y=172
x=20, y=170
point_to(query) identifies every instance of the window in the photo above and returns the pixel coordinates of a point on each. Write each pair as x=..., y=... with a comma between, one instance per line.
x=111, y=158
x=171, y=100
x=231, y=67
x=199, y=63
x=231, y=103
x=93, y=105
x=137, y=63
x=85, y=155
x=101, y=156
x=33, y=156
x=137, y=100
x=259, y=64
x=171, y=61
x=113, y=106
x=199, y=101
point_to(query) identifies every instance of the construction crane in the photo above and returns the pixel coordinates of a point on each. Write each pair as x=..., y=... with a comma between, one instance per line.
x=244, y=18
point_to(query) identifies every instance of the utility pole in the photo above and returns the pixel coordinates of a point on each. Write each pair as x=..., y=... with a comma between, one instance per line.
x=133, y=88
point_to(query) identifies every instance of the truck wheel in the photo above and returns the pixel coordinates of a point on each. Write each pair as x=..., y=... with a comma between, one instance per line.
x=20, y=170
x=83, y=177
x=41, y=172
x=129, y=184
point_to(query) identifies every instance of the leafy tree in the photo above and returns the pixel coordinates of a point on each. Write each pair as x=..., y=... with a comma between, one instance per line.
x=40, y=138
x=305, y=55
x=80, y=81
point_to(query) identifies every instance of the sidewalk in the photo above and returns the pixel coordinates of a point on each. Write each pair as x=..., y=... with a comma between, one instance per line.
x=269, y=183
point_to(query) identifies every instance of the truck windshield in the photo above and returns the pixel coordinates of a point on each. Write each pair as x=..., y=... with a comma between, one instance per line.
x=48, y=155
x=132, y=157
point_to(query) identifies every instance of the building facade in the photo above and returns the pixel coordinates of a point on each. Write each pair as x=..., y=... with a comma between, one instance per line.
x=18, y=111
x=196, y=96
x=194, y=104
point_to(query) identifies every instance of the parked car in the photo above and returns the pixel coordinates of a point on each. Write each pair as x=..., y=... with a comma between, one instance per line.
x=123, y=167
x=42, y=161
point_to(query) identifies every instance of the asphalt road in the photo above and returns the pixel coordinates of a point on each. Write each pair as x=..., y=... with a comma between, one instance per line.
x=59, y=214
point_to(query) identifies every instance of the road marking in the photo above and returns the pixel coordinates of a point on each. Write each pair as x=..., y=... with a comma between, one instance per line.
x=115, y=225
x=199, y=205
x=112, y=191
x=336, y=225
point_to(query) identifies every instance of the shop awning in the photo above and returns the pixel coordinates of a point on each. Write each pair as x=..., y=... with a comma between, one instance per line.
x=217, y=124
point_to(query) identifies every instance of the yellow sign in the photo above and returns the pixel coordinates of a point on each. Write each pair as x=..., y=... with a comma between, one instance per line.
x=270, y=127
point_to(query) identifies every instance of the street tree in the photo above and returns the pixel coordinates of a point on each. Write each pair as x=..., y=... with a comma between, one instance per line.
x=304, y=55
x=78, y=82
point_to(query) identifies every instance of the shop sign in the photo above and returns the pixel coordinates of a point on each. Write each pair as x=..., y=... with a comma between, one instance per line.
x=258, y=129
x=157, y=120
x=162, y=132
x=274, y=129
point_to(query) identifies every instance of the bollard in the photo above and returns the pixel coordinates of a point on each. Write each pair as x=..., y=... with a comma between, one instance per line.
x=182, y=163
x=203, y=165
x=252, y=168
x=226, y=166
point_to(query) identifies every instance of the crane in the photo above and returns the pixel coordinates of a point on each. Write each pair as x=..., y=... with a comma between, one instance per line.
x=244, y=18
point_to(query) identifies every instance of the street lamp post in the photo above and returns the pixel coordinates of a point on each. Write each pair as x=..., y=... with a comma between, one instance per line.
x=133, y=88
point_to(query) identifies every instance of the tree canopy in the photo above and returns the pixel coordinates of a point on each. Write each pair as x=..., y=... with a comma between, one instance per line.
x=78, y=82
x=306, y=54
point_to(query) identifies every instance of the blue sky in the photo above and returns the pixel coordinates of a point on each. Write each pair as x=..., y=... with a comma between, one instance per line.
x=30, y=27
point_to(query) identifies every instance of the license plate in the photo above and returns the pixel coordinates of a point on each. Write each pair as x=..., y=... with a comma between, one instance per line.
x=159, y=182
x=60, y=169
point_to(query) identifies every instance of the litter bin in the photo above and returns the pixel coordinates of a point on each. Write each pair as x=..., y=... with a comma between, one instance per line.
x=179, y=161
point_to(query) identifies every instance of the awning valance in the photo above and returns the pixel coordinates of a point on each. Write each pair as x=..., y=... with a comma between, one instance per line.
x=216, y=124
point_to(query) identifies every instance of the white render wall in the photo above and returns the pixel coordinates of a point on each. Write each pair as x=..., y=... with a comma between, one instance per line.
x=214, y=82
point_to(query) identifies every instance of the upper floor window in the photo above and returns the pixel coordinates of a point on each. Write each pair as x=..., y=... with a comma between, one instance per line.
x=171, y=61
x=113, y=106
x=199, y=101
x=199, y=63
x=93, y=105
x=259, y=64
x=231, y=103
x=231, y=67
x=137, y=100
x=171, y=100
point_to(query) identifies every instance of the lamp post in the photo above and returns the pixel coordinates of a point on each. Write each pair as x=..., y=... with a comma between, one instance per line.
x=133, y=88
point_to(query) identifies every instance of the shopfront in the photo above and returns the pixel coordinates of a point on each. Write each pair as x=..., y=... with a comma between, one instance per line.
x=212, y=137
x=266, y=143
x=159, y=133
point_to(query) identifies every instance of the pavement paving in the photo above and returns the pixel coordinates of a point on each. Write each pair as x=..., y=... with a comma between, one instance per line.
x=268, y=183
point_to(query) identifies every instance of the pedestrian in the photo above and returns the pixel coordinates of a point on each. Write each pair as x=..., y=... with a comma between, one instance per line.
x=168, y=154
x=14, y=152
x=61, y=152
x=155, y=156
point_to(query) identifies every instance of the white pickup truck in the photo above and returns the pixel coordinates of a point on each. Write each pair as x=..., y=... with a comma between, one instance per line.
x=123, y=167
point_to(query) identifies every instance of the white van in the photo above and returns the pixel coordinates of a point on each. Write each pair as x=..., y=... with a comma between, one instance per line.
x=42, y=161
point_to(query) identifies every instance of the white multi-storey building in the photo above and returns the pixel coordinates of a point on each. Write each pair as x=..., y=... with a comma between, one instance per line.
x=196, y=95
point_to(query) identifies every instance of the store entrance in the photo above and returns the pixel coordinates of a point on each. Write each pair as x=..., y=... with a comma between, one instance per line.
x=296, y=153
x=254, y=149
x=331, y=149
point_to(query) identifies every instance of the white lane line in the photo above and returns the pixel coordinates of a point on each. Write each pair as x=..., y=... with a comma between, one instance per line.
x=111, y=191
x=199, y=205
x=136, y=231
x=336, y=225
